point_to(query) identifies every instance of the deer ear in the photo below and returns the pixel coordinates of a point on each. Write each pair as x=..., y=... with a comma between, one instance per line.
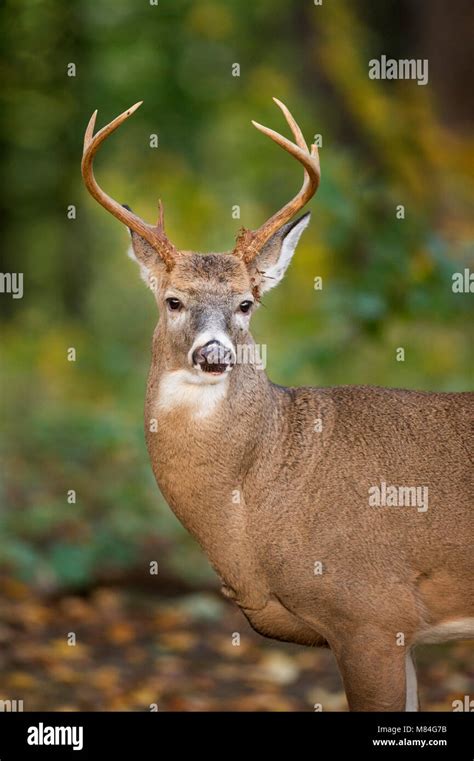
x=150, y=263
x=270, y=265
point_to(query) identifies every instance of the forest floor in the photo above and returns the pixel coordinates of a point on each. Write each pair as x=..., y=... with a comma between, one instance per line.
x=138, y=650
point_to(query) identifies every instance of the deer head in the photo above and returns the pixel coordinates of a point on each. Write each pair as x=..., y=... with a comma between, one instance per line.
x=206, y=301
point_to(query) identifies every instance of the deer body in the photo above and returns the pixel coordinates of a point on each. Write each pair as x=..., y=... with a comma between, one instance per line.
x=275, y=482
x=303, y=499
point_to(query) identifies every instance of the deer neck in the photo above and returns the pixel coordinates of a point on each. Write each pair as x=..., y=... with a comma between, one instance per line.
x=202, y=441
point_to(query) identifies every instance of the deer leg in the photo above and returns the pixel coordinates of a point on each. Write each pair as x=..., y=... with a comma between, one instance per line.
x=375, y=673
x=411, y=684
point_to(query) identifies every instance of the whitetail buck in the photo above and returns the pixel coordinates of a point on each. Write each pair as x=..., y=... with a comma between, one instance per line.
x=334, y=516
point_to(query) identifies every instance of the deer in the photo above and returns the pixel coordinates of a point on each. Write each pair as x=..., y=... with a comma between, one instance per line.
x=335, y=517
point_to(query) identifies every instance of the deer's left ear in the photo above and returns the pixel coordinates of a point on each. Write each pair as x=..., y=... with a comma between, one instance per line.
x=270, y=265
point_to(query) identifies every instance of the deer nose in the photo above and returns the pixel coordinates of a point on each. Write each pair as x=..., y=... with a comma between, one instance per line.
x=213, y=357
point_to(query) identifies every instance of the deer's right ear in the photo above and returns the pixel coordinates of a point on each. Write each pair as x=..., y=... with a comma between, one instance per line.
x=150, y=263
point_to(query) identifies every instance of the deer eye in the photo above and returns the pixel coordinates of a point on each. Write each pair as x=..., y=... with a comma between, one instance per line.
x=245, y=306
x=174, y=304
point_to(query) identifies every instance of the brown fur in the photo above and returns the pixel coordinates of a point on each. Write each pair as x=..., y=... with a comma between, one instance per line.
x=390, y=577
x=304, y=499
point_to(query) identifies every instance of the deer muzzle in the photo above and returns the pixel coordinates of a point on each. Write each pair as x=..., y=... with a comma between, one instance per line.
x=214, y=358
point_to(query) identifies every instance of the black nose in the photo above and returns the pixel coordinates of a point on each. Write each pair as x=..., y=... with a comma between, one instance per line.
x=213, y=357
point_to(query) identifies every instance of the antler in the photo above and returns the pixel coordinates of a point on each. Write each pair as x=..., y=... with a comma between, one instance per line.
x=250, y=242
x=155, y=235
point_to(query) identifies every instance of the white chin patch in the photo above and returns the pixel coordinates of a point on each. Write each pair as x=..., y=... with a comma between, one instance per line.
x=196, y=391
x=201, y=376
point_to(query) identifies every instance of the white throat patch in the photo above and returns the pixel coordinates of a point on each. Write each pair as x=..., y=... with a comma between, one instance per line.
x=200, y=394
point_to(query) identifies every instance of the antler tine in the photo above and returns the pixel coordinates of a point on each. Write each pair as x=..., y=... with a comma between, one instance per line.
x=154, y=235
x=89, y=133
x=161, y=217
x=249, y=243
x=299, y=137
x=302, y=154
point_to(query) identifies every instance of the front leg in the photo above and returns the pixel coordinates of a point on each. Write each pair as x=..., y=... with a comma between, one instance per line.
x=378, y=674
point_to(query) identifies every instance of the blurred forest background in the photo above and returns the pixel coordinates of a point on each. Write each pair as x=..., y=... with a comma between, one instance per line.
x=78, y=425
